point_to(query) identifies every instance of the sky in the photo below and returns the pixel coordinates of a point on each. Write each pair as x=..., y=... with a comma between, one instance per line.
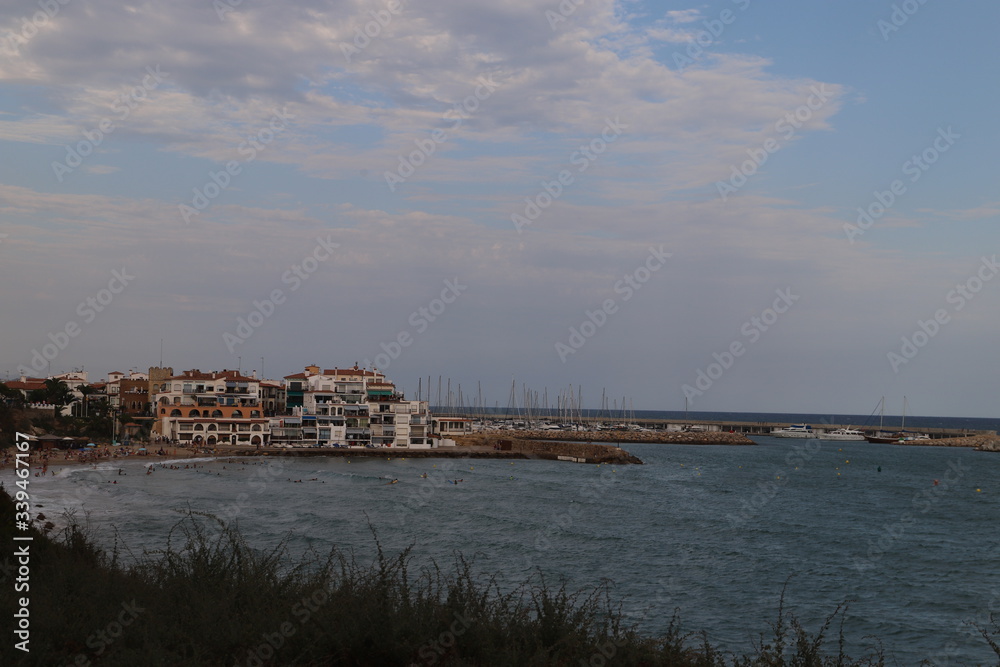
x=745, y=206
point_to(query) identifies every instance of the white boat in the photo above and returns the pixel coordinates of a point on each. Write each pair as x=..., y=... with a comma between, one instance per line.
x=843, y=434
x=794, y=431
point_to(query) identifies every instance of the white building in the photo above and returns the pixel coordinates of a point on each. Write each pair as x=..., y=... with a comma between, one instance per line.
x=352, y=407
x=219, y=407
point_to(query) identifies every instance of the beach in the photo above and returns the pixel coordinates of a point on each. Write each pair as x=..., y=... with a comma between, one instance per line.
x=55, y=458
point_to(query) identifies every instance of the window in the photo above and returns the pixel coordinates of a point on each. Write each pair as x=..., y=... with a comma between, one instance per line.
x=194, y=413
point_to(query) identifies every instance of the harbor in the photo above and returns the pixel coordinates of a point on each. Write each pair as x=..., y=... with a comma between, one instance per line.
x=594, y=424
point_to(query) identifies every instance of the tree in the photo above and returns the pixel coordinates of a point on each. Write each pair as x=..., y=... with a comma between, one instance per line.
x=58, y=392
x=9, y=395
x=86, y=390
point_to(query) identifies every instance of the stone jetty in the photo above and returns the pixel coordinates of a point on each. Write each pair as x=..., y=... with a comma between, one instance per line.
x=664, y=437
x=985, y=442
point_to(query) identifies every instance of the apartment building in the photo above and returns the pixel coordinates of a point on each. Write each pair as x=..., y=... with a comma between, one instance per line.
x=128, y=394
x=218, y=407
x=352, y=407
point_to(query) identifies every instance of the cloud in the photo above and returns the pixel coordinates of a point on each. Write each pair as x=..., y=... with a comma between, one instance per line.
x=684, y=15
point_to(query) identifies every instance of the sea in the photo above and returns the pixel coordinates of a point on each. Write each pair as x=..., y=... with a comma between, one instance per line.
x=905, y=537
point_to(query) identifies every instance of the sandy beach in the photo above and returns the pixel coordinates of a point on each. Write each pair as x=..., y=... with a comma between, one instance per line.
x=55, y=458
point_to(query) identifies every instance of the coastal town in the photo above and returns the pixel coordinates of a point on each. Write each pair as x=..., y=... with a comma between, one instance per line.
x=336, y=410
x=318, y=408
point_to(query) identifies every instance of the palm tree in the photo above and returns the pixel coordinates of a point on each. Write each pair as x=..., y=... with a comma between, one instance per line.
x=58, y=392
x=10, y=395
x=86, y=390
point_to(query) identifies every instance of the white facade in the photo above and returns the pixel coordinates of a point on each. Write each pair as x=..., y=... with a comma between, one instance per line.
x=211, y=408
x=350, y=407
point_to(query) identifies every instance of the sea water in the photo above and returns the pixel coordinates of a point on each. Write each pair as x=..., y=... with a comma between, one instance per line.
x=906, y=534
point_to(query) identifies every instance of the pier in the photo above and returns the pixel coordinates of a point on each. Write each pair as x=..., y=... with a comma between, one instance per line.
x=694, y=425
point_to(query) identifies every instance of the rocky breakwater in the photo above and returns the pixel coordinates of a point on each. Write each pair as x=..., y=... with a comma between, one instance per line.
x=984, y=442
x=664, y=437
x=579, y=452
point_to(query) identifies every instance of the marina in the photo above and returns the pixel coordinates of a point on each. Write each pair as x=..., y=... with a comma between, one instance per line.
x=693, y=425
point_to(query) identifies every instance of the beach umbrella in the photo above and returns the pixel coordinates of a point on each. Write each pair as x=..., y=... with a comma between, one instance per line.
x=90, y=444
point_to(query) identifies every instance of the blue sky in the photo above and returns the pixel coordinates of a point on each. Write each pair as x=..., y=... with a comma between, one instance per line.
x=518, y=100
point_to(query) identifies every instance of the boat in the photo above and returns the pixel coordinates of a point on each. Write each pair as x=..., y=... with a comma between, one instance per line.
x=794, y=431
x=900, y=436
x=884, y=438
x=842, y=434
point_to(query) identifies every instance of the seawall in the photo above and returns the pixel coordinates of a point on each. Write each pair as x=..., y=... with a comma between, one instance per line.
x=663, y=437
x=983, y=442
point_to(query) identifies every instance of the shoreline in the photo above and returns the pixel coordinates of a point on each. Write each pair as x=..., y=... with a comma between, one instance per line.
x=58, y=458
x=522, y=450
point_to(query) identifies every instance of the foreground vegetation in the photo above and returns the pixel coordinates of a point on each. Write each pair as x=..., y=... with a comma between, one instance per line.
x=213, y=600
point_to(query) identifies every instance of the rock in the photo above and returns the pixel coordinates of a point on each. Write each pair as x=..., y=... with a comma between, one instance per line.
x=665, y=437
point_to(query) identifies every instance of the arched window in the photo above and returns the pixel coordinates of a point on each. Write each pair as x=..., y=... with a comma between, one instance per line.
x=175, y=413
x=237, y=414
x=255, y=414
x=212, y=427
x=216, y=414
x=255, y=427
x=199, y=427
x=194, y=413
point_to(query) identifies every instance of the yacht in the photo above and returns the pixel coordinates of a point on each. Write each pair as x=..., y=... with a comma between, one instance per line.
x=794, y=431
x=843, y=434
